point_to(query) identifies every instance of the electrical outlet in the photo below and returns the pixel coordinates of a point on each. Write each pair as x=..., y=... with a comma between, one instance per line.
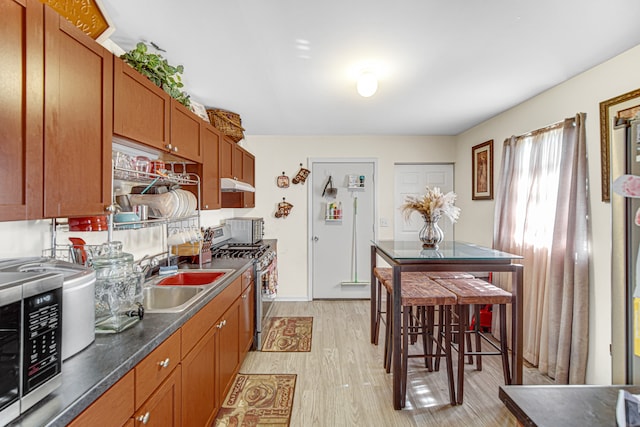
x=384, y=222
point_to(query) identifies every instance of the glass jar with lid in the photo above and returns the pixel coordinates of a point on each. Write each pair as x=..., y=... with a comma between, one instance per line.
x=119, y=297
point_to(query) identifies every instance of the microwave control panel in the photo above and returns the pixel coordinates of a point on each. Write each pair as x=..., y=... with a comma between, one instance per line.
x=42, y=357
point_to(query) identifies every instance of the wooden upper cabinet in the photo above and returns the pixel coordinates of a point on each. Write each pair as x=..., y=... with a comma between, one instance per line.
x=21, y=44
x=210, y=176
x=78, y=87
x=227, y=148
x=237, y=163
x=185, y=132
x=141, y=110
x=248, y=175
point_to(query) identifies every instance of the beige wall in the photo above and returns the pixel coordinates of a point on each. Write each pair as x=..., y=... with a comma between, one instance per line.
x=580, y=94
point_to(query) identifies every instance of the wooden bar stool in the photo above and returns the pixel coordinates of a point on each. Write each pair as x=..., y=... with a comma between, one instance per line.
x=477, y=292
x=422, y=293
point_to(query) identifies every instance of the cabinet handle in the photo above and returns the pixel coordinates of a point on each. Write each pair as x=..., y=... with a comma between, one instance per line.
x=164, y=363
x=244, y=296
x=168, y=147
x=175, y=149
x=144, y=418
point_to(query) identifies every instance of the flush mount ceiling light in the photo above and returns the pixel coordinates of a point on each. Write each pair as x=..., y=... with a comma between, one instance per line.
x=367, y=84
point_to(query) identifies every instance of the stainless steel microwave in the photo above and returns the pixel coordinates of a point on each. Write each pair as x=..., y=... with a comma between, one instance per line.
x=30, y=340
x=246, y=230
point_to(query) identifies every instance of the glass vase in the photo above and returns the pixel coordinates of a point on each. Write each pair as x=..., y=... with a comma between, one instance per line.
x=431, y=234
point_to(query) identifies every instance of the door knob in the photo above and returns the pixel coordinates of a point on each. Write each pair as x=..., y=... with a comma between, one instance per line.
x=315, y=238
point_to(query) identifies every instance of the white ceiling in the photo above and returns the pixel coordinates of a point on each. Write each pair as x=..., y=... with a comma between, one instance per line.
x=289, y=67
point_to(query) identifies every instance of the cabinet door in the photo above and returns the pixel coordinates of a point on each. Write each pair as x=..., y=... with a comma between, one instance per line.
x=227, y=148
x=237, y=162
x=248, y=175
x=199, y=399
x=164, y=407
x=141, y=110
x=247, y=316
x=228, y=349
x=210, y=185
x=21, y=44
x=112, y=409
x=78, y=121
x=185, y=132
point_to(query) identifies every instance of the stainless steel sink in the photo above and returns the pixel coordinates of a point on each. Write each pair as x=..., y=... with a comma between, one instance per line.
x=194, y=278
x=170, y=299
x=176, y=293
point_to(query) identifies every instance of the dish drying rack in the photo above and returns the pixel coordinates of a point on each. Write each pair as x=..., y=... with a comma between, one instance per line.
x=190, y=243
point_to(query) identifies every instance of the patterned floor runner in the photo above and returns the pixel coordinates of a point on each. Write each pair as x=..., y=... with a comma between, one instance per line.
x=258, y=400
x=288, y=334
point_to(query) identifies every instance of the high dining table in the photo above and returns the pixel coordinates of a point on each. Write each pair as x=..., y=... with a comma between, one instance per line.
x=450, y=256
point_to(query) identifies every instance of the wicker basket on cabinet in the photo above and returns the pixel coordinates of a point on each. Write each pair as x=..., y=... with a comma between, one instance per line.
x=228, y=122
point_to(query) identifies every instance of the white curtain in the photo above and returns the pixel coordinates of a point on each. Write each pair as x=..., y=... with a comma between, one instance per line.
x=541, y=213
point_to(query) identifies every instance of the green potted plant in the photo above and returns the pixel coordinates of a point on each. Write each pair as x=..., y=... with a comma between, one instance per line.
x=157, y=69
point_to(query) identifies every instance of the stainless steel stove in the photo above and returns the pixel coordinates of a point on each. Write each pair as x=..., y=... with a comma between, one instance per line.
x=265, y=270
x=240, y=250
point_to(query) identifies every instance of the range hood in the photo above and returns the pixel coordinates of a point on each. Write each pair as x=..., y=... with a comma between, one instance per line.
x=229, y=185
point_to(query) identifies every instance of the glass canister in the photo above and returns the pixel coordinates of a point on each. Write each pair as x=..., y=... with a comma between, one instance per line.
x=118, y=289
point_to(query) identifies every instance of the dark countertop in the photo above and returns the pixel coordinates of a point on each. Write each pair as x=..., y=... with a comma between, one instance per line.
x=88, y=374
x=563, y=405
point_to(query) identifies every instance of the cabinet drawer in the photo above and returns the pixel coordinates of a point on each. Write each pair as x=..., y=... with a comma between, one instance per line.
x=113, y=408
x=247, y=278
x=156, y=367
x=199, y=324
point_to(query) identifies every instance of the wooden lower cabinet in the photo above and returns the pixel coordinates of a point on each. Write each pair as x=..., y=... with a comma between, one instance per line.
x=199, y=400
x=113, y=409
x=164, y=407
x=210, y=347
x=228, y=348
x=247, y=322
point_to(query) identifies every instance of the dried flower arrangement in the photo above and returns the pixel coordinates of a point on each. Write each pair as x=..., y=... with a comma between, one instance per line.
x=432, y=205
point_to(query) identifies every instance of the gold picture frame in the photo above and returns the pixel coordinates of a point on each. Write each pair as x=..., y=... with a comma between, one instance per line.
x=482, y=171
x=606, y=126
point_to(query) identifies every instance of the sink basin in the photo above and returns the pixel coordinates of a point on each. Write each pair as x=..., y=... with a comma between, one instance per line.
x=170, y=300
x=176, y=293
x=194, y=278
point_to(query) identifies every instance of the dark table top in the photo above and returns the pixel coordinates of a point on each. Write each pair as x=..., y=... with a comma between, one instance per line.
x=563, y=405
x=447, y=251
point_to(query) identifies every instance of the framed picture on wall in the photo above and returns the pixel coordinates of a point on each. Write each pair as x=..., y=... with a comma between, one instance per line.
x=482, y=171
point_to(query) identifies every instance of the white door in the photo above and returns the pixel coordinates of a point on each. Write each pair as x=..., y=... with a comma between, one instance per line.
x=411, y=180
x=341, y=237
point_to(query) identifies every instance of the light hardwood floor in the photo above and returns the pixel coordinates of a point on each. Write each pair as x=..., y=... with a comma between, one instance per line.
x=342, y=382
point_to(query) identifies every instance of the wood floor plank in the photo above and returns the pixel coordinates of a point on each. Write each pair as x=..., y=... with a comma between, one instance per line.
x=342, y=382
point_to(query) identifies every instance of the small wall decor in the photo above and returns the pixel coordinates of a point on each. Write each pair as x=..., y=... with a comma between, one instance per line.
x=284, y=208
x=301, y=176
x=482, y=171
x=329, y=189
x=283, y=181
